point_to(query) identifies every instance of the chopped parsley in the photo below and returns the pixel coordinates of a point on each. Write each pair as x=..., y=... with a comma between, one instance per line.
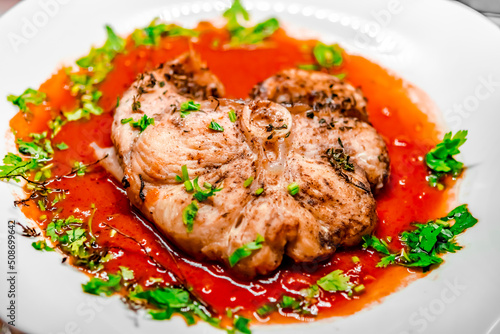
x=41, y=245
x=293, y=188
x=168, y=301
x=141, y=124
x=14, y=167
x=62, y=146
x=189, y=214
x=97, y=64
x=424, y=244
x=328, y=55
x=440, y=160
x=99, y=58
x=71, y=237
x=55, y=125
x=259, y=191
x=300, y=305
x=200, y=194
x=335, y=281
x=79, y=168
x=246, y=250
x=240, y=325
x=215, y=126
x=188, y=106
x=39, y=148
x=308, y=67
x=232, y=116
x=241, y=35
x=29, y=96
x=152, y=34
x=185, y=178
x=98, y=286
x=248, y=182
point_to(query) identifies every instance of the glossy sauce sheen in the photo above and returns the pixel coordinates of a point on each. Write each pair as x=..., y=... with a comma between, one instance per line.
x=406, y=198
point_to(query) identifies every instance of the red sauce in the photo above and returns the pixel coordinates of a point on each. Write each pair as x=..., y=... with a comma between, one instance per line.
x=407, y=129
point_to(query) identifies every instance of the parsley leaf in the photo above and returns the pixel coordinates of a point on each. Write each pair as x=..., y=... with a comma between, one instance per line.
x=232, y=116
x=55, y=125
x=328, y=55
x=246, y=250
x=463, y=219
x=167, y=301
x=440, y=160
x=14, y=167
x=202, y=195
x=426, y=242
x=28, y=96
x=166, y=297
x=335, y=281
x=152, y=34
x=41, y=245
x=189, y=214
x=188, y=106
x=248, y=182
x=293, y=188
x=98, y=63
x=101, y=57
x=141, y=124
x=62, y=146
x=71, y=237
x=215, y=126
x=235, y=13
x=241, y=35
x=375, y=243
x=240, y=325
x=98, y=286
x=39, y=148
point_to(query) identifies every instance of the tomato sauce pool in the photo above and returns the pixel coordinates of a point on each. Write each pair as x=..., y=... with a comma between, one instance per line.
x=404, y=124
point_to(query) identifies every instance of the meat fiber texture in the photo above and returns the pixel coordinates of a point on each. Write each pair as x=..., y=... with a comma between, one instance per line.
x=322, y=142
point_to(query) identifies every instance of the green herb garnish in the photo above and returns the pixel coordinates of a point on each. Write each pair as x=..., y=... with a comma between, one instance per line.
x=200, y=194
x=152, y=34
x=98, y=286
x=41, y=245
x=241, y=35
x=215, y=126
x=141, y=124
x=189, y=214
x=293, y=188
x=62, y=146
x=426, y=242
x=248, y=182
x=188, y=106
x=335, y=281
x=14, y=167
x=29, y=96
x=339, y=159
x=328, y=55
x=232, y=116
x=246, y=250
x=440, y=160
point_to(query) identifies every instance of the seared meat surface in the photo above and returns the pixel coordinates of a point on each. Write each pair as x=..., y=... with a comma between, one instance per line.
x=274, y=145
x=337, y=106
x=321, y=91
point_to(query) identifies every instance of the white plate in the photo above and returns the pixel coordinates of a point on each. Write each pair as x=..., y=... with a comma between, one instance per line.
x=446, y=49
